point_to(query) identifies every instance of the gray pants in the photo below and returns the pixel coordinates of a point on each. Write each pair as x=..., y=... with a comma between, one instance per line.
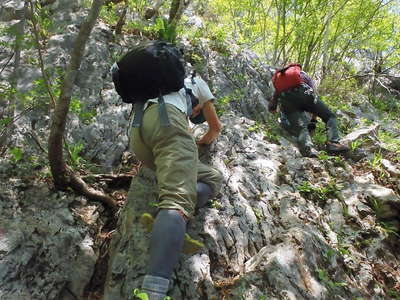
x=295, y=103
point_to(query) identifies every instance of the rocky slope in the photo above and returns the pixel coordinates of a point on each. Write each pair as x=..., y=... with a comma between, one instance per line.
x=282, y=227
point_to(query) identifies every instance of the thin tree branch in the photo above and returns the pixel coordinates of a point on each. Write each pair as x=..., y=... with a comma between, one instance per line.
x=12, y=55
x=41, y=61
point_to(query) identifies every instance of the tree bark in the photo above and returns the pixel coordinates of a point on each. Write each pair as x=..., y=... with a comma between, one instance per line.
x=63, y=176
x=121, y=20
x=176, y=11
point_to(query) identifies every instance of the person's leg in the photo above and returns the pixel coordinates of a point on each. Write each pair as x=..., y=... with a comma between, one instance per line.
x=292, y=106
x=175, y=159
x=165, y=246
x=204, y=193
x=285, y=124
x=298, y=121
x=321, y=110
x=209, y=181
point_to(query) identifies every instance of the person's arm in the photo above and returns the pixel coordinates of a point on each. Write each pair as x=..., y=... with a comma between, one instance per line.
x=214, y=124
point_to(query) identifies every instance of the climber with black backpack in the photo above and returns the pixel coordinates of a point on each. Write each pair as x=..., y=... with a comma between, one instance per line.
x=296, y=93
x=152, y=76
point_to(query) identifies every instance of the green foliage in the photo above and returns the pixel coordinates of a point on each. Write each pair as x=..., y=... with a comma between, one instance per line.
x=165, y=31
x=272, y=132
x=216, y=204
x=16, y=154
x=319, y=194
x=108, y=14
x=356, y=144
x=140, y=295
x=324, y=277
x=255, y=127
x=259, y=214
x=75, y=151
x=5, y=121
x=394, y=294
x=378, y=207
x=86, y=116
x=391, y=140
x=376, y=161
x=223, y=102
x=309, y=32
x=319, y=137
x=143, y=296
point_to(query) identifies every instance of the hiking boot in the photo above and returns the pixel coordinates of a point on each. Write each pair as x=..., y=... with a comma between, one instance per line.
x=308, y=151
x=333, y=147
x=190, y=246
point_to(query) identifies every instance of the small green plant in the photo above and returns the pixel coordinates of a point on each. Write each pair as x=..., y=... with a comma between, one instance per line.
x=259, y=214
x=394, y=294
x=390, y=228
x=323, y=276
x=16, y=154
x=224, y=101
x=376, y=205
x=75, y=154
x=140, y=295
x=272, y=131
x=319, y=136
x=255, y=127
x=366, y=122
x=376, y=161
x=108, y=14
x=391, y=141
x=356, y=144
x=86, y=116
x=165, y=30
x=319, y=194
x=379, y=104
x=329, y=254
x=153, y=204
x=322, y=155
x=4, y=122
x=216, y=204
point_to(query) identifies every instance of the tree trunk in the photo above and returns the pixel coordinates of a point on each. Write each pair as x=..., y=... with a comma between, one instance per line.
x=176, y=11
x=63, y=176
x=122, y=17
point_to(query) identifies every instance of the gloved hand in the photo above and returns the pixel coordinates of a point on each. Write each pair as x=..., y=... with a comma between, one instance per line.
x=312, y=126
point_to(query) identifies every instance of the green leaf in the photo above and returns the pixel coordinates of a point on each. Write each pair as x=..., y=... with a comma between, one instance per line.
x=140, y=295
x=17, y=154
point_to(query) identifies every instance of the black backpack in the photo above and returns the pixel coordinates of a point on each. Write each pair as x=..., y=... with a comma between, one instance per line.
x=149, y=70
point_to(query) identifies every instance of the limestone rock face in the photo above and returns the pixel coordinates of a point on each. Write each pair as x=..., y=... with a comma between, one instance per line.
x=46, y=251
x=282, y=226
